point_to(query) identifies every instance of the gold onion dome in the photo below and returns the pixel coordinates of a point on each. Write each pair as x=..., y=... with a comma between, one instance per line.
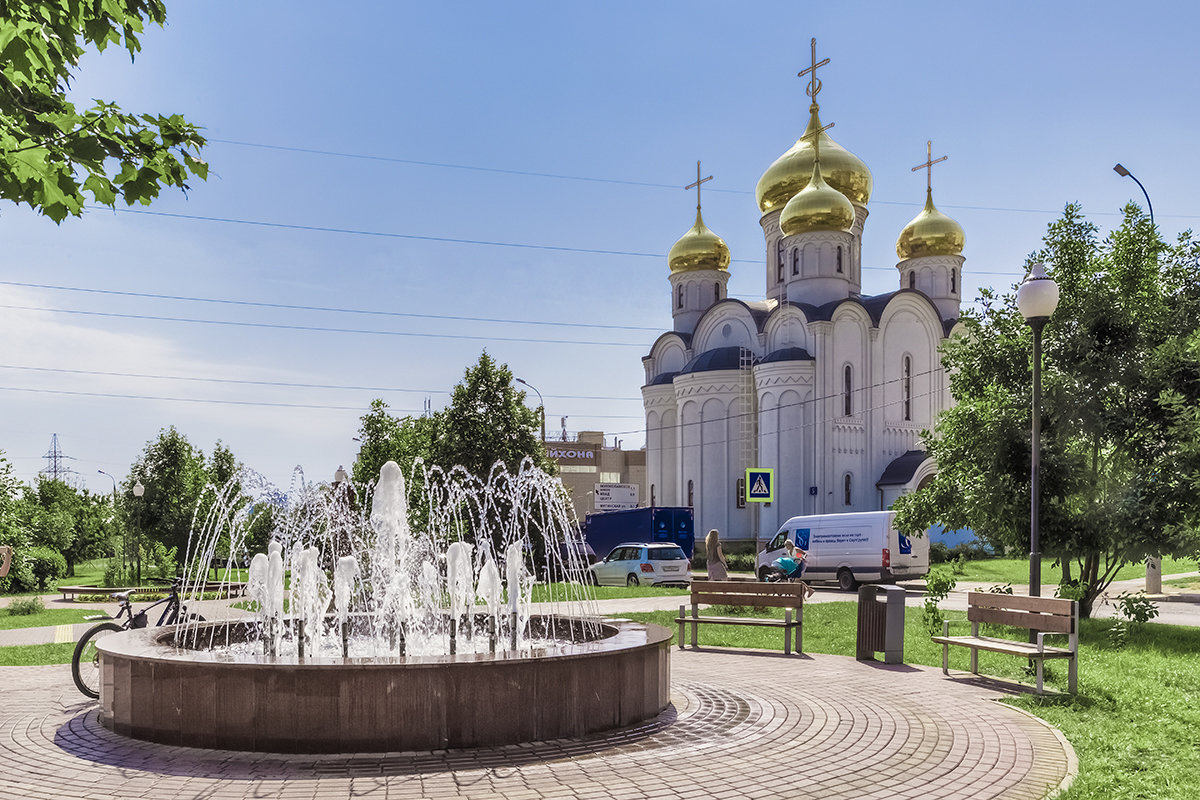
x=817, y=207
x=931, y=233
x=791, y=171
x=699, y=248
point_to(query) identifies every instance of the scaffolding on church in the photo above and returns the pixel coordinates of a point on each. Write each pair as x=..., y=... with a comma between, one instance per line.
x=748, y=428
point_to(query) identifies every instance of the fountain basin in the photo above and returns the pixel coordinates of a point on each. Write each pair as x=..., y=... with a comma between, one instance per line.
x=153, y=691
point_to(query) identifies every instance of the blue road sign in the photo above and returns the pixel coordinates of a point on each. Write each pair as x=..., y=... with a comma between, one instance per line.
x=760, y=485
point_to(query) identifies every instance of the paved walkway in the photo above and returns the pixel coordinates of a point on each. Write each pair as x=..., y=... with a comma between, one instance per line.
x=744, y=725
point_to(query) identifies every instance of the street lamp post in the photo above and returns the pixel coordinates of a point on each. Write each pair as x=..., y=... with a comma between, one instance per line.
x=138, y=491
x=1037, y=297
x=1153, y=563
x=1124, y=173
x=124, y=534
x=541, y=405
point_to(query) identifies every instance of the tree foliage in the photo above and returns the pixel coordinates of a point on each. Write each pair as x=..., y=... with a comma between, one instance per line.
x=52, y=153
x=1120, y=455
x=173, y=474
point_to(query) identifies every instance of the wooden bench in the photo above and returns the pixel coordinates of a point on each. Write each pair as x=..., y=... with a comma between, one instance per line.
x=1047, y=615
x=230, y=590
x=789, y=596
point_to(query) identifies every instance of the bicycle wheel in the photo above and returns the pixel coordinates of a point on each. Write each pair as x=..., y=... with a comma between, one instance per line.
x=85, y=664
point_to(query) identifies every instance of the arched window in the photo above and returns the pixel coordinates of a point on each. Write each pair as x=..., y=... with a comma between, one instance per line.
x=795, y=260
x=681, y=295
x=839, y=258
x=716, y=291
x=912, y=280
x=846, y=489
x=691, y=495
x=847, y=390
x=953, y=281
x=652, y=496
x=906, y=383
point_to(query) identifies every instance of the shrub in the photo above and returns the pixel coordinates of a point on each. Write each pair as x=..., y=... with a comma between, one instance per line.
x=25, y=607
x=938, y=586
x=158, y=562
x=46, y=565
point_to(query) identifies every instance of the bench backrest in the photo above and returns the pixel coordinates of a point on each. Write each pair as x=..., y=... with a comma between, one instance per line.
x=1048, y=614
x=748, y=593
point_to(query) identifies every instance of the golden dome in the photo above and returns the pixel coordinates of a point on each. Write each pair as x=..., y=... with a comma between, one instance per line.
x=817, y=207
x=791, y=171
x=699, y=248
x=931, y=233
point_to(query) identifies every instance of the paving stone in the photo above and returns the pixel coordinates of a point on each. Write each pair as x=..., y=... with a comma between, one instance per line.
x=741, y=724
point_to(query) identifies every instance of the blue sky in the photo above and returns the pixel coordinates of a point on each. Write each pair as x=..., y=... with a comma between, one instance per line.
x=1033, y=103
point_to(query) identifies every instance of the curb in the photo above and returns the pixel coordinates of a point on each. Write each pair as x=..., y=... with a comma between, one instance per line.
x=1072, y=759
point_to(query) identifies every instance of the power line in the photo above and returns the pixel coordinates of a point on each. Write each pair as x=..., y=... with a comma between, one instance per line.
x=332, y=309
x=625, y=182
x=319, y=329
x=64, y=371
x=353, y=232
x=213, y=401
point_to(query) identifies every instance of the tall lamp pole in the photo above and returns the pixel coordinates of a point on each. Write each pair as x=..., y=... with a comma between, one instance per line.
x=1124, y=173
x=541, y=405
x=138, y=491
x=1037, y=297
x=124, y=535
x=1153, y=563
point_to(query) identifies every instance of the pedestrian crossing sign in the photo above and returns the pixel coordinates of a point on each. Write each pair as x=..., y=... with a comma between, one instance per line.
x=760, y=485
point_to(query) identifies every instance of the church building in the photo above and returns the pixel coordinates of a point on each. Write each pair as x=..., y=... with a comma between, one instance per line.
x=826, y=386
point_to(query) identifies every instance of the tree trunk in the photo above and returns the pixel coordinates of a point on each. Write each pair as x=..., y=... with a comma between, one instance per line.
x=70, y=567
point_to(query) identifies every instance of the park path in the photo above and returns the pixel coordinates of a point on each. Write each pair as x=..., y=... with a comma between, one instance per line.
x=741, y=724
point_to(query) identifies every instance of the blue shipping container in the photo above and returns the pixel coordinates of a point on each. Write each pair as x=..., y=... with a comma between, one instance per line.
x=604, y=530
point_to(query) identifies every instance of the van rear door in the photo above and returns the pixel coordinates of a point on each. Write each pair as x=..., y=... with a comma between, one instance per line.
x=910, y=554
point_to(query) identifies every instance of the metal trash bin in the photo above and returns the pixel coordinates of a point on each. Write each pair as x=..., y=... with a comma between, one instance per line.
x=880, y=623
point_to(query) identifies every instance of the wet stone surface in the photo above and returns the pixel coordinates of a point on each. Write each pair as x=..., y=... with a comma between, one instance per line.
x=740, y=725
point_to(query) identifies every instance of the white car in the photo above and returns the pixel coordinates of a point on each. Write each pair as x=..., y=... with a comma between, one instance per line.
x=640, y=564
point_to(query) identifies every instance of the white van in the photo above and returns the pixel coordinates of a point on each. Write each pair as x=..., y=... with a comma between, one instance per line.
x=850, y=548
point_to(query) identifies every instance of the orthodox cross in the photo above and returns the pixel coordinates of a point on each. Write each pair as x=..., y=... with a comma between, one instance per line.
x=699, y=181
x=928, y=165
x=814, y=84
x=816, y=137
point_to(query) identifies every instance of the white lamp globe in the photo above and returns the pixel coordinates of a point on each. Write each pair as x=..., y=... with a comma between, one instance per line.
x=138, y=489
x=1037, y=296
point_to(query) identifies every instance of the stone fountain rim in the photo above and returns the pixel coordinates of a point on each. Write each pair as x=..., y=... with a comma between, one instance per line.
x=146, y=644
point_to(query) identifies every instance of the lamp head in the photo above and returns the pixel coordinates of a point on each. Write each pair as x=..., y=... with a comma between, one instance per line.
x=1124, y=173
x=138, y=489
x=340, y=476
x=1037, y=296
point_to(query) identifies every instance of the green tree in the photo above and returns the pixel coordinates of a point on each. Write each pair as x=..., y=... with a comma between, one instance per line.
x=51, y=153
x=1119, y=426
x=173, y=474
x=487, y=421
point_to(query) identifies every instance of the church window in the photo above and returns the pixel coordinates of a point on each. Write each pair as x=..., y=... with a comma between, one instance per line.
x=716, y=291
x=681, y=295
x=953, y=281
x=846, y=489
x=839, y=258
x=691, y=495
x=847, y=390
x=652, y=495
x=795, y=260
x=912, y=280
x=907, y=388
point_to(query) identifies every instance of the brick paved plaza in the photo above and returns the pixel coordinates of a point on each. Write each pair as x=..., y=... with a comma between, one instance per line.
x=752, y=725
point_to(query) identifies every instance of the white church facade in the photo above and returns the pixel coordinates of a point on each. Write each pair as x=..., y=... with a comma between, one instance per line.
x=826, y=386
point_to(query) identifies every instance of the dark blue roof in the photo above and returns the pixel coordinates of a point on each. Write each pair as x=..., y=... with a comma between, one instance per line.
x=788, y=354
x=711, y=360
x=666, y=377
x=901, y=470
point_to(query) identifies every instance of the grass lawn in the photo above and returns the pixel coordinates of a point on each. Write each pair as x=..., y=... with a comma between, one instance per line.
x=1184, y=583
x=547, y=592
x=51, y=616
x=1132, y=725
x=1016, y=570
x=28, y=655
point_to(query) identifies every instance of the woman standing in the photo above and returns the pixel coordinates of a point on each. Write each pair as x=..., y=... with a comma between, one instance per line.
x=718, y=570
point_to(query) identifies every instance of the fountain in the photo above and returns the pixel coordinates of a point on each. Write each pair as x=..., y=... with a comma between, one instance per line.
x=366, y=633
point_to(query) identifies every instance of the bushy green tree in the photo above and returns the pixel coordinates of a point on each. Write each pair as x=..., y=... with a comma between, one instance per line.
x=174, y=475
x=52, y=153
x=1120, y=457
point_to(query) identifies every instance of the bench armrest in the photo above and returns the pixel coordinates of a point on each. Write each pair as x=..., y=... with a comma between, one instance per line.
x=1041, y=637
x=946, y=625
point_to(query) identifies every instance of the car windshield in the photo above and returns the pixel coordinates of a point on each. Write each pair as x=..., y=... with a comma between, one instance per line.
x=666, y=554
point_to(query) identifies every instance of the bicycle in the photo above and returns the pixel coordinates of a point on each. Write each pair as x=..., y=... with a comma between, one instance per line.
x=85, y=663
